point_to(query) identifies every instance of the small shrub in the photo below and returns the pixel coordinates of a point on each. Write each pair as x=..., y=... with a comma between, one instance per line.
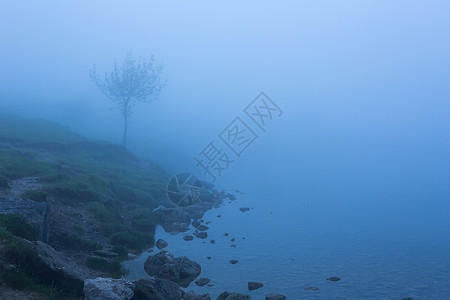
x=19, y=252
x=18, y=278
x=114, y=268
x=121, y=250
x=74, y=242
x=100, y=212
x=38, y=196
x=132, y=239
x=18, y=226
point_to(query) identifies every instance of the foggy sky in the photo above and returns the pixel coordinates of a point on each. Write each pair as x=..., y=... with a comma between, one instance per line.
x=364, y=84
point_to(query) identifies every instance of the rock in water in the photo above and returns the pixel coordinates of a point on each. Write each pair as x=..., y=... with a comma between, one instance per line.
x=201, y=235
x=161, y=244
x=254, y=285
x=244, y=209
x=202, y=227
x=108, y=289
x=275, y=297
x=173, y=219
x=233, y=261
x=188, y=238
x=311, y=288
x=164, y=265
x=334, y=278
x=233, y=296
x=155, y=288
x=202, y=281
x=193, y=296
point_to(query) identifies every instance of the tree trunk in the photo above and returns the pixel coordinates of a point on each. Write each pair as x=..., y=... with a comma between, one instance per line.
x=125, y=128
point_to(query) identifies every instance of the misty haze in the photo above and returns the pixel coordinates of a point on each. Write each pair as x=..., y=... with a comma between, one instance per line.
x=224, y=150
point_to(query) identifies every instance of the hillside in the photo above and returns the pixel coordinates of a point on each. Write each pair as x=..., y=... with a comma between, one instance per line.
x=90, y=200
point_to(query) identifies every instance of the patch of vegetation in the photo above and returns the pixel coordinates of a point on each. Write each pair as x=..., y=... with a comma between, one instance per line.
x=73, y=242
x=132, y=239
x=118, y=188
x=121, y=250
x=19, y=252
x=15, y=164
x=18, y=278
x=18, y=226
x=114, y=268
x=38, y=196
x=35, y=131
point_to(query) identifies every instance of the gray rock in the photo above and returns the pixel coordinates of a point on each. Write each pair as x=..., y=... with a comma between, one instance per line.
x=212, y=241
x=202, y=281
x=333, y=278
x=275, y=297
x=164, y=265
x=172, y=215
x=188, y=238
x=311, y=288
x=195, y=223
x=173, y=219
x=108, y=289
x=244, y=209
x=201, y=235
x=36, y=213
x=202, y=227
x=233, y=261
x=54, y=268
x=156, y=289
x=254, y=285
x=161, y=244
x=105, y=253
x=233, y=296
x=193, y=296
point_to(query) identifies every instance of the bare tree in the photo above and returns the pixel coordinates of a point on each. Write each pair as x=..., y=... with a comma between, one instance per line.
x=132, y=81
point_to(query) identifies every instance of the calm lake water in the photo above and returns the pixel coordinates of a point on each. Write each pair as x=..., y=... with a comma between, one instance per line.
x=288, y=252
x=372, y=210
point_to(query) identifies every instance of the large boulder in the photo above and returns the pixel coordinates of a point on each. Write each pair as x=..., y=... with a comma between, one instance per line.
x=233, y=296
x=36, y=213
x=52, y=267
x=164, y=265
x=193, y=296
x=156, y=289
x=108, y=289
x=173, y=220
x=161, y=244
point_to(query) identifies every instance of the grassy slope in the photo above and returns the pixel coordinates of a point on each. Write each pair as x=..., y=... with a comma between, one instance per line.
x=76, y=170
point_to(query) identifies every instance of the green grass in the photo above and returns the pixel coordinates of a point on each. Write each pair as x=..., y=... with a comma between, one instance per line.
x=114, y=268
x=36, y=131
x=18, y=226
x=73, y=242
x=15, y=164
x=38, y=196
x=18, y=278
x=107, y=179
